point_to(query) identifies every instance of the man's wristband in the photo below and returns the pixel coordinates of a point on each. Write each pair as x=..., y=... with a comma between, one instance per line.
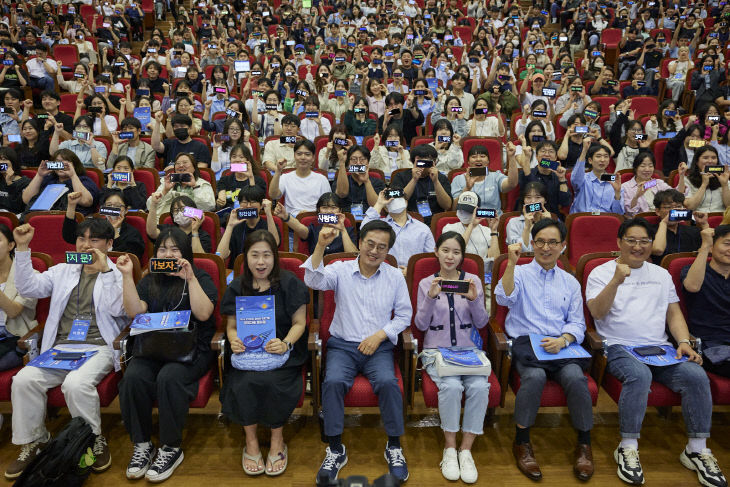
x=196, y=235
x=679, y=342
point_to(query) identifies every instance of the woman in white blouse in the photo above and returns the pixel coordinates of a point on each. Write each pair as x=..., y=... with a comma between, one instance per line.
x=708, y=192
x=483, y=124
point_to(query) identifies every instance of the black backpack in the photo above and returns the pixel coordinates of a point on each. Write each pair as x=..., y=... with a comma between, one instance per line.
x=66, y=460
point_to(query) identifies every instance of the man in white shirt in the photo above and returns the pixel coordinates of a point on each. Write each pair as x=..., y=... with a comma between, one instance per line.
x=41, y=69
x=633, y=302
x=300, y=188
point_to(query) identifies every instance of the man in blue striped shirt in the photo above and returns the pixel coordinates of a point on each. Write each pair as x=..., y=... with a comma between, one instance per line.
x=368, y=292
x=543, y=299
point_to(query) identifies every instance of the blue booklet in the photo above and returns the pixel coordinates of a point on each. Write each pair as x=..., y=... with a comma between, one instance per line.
x=433, y=85
x=48, y=197
x=571, y=351
x=255, y=321
x=169, y=320
x=144, y=116
x=48, y=360
x=658, y=360
x=467, y=358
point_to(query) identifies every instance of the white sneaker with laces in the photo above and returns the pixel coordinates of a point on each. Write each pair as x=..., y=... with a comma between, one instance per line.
x=450, y=464
x=467, y=468
x=705, y=464
x=629, y=466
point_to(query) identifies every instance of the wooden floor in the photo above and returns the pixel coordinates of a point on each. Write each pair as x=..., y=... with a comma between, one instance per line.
x=213, y=450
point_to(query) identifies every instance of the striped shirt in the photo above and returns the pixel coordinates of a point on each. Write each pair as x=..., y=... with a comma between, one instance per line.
x=543, y=302
x=364, y=306
x=592, y=194
x=412, y=238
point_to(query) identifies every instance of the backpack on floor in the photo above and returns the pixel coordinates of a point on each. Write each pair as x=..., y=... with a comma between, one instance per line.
x=66, y=460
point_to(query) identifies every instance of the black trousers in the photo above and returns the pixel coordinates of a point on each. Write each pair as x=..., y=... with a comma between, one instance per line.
x=173, y=385
x=722, y=368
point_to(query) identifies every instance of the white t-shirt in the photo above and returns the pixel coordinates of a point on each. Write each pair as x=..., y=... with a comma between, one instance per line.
x=478, y=240
x=638, y=314
x=301, y=194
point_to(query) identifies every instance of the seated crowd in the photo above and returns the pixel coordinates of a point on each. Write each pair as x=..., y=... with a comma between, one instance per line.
x=388, y=130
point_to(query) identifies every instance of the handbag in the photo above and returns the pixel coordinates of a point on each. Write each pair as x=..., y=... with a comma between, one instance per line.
x=258, y=361
x=447, y=368
x=179, y=345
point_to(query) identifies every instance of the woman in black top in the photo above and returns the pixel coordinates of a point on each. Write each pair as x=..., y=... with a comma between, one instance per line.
x=199, y=238
x=33, y=149
x=126, y=237
x=267, y=397
x=12, y=182
x=172, y=384
x=133, y=192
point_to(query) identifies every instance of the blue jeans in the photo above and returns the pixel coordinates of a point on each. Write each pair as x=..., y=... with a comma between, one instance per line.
x=574, y=384
x=687, y=378
x=44, y=83
x=450, y=393
x=344, y=362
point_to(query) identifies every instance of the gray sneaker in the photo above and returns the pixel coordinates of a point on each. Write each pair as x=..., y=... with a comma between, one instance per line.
x=28, y=453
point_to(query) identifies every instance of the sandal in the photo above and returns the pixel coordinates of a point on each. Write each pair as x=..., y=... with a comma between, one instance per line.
x=258, y=459
x=282, y=456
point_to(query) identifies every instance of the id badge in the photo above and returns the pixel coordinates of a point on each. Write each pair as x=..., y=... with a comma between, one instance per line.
x=79, y=329
x=424, y=208
x=357, y=211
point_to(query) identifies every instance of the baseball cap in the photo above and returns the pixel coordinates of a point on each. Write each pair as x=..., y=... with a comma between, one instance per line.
x=468, y=200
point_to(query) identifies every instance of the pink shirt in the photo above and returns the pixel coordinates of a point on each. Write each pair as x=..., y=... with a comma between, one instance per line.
x=643, y=204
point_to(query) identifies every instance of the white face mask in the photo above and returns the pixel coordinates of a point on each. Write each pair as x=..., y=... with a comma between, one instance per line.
x=516, y=42
x=182, y=220
x=398, y=205
x=464, y=217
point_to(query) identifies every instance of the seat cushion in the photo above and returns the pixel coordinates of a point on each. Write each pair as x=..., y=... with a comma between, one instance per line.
x=659, y=396
x=107, y=389
x=719, y=385
x=206, y=384
x=6, y=380
x=361, y=394
x=552, y=393
x=431, y=391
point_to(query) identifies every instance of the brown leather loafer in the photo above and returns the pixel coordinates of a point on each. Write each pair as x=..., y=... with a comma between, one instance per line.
x=583, y=467
x=526, y=460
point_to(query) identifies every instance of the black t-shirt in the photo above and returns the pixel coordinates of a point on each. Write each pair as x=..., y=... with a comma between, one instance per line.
x=425, y=189
x=407, y=124
x=158, y=300
x=358, y=194
x=60, y=117
x=33, y=157
x=11, y=195
x=630, y=46
x=232, y=186
x=238, y=237
x=173, y=147
x=204, y=237
x=687, y=239
x=708, y=314
x=289, y=295
x=337, y=244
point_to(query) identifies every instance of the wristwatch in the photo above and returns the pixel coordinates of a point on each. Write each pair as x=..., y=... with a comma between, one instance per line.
x=495, y=234
x=684, y=341
x=289, y=346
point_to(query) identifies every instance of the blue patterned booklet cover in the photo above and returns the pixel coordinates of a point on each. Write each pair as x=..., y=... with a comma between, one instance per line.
x=48, y=197
x=571, y=351
x=467, y=358
x=255, y=321
x=48, y=360
x=169, y=320
x=659, y=360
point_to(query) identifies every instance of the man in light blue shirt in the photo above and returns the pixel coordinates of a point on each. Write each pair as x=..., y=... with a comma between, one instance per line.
x=543, y=299
x=412, y=236
x=591, y=193
x=368, y=292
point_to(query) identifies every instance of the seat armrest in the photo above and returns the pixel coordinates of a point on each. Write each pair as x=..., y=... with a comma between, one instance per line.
x=503, y=343
x=595, y=341
x=119, y=340
x=409, y=343
x=27, y=341
x=218, y=342
x=314, y=343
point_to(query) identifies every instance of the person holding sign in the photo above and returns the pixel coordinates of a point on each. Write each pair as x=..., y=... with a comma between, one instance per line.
x=435, y=317
x=545, y=300
x=173, y=384
x=372, y=309
x=265, y=396
x=85, y=315
x=621, y=294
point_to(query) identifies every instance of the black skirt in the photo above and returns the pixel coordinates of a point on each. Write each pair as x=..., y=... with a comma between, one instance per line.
x=266, y=398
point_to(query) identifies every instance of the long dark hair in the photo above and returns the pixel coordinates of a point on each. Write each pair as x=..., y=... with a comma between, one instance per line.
x=8, y=234
x=459, y=239
x=246, y=277
x=695, y=176
x=166, y=291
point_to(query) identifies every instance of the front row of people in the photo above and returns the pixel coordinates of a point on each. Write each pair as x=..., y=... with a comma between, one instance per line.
x=91, y=304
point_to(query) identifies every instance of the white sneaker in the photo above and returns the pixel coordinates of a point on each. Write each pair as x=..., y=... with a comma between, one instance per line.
x=450, y=464
x=467, y=469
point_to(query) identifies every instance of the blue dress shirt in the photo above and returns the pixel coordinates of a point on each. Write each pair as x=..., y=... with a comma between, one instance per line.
x=543, y=302
x=364, y=306
x=592, y=194
x=412, y=238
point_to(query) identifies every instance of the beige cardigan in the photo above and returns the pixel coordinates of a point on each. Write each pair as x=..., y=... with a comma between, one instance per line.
x=25, y=321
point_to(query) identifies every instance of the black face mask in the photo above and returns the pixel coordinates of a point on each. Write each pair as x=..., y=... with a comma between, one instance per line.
x=181, y=134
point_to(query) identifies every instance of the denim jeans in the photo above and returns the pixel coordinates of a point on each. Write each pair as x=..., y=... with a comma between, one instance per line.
x=44, y=83
x=451, y=389
x=687, y=378
x=574, y=384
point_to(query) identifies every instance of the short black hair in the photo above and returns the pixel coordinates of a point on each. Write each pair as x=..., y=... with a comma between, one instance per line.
x=635, y=222
x=97, y=228
x=720, y=231
x=426, y=151
x=544, y=223
x=377, y=226
x=290, y=119
x=181, y=119
x=396, y=97
x=51, y=94
x=668, y=196
x=253, y=194
x=307, y=144
x=130, y=122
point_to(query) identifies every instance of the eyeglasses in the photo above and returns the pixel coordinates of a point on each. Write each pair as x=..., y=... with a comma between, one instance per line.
x=644, y=242
x=375, y=246
x=175, y=211
x=553, y=244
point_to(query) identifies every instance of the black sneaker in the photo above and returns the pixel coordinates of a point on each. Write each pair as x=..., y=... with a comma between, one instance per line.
x=396, y=462
x=102, y=454
x=27, y=454
x=331, y=466
x=141, y=460
x=705, y=464
x=166, y=461
x=629, y=467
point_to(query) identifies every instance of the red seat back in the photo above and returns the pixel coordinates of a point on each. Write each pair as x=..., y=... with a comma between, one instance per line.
x=493, y=145
x=585, y=266
x=8, y=219
x=213, y=265
x=41, y=262
x=47, y=237
x=149, y=177
x=589, y=233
